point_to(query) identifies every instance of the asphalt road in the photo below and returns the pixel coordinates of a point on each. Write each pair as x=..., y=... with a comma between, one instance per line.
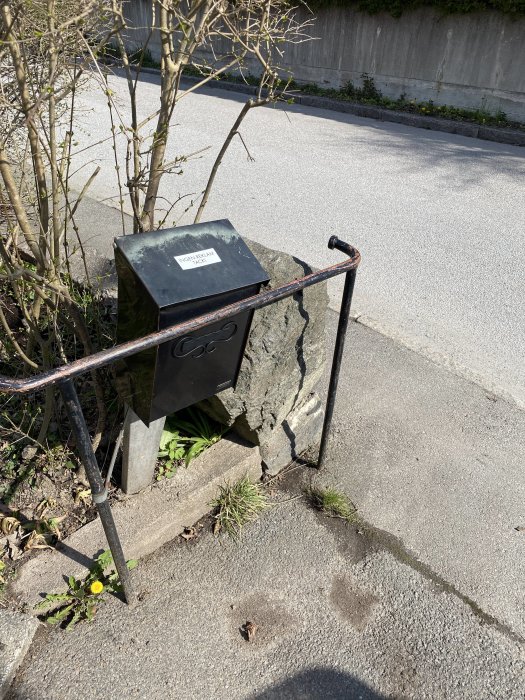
x=338, y=617
x=438, y=218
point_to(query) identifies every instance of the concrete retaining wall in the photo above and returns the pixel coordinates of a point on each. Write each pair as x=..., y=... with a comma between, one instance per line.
x=475, y=60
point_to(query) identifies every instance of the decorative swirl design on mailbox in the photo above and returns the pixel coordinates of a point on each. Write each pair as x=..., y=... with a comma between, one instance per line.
x=197, y=346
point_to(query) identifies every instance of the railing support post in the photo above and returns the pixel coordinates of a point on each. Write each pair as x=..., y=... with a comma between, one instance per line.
x=98, y=490
x=342, y=326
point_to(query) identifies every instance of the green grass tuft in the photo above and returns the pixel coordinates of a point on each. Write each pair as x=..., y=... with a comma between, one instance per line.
x=238, y=504
x=332, y=503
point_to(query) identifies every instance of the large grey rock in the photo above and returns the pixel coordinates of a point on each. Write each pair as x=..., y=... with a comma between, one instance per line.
x=300, y=430
x=274, y=404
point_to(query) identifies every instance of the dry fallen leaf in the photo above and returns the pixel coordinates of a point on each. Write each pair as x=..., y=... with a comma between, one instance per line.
x=520, y=528
x=250, y=628
x=14, y=550
x=216, y=527
x=44, y=506
x=41, y=508
x=37, y=540
x=82, y=495
x=8, y=524
x=189, y=533
x=29, y=452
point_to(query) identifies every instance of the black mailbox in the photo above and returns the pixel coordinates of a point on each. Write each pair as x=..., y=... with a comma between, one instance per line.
x=169, y=276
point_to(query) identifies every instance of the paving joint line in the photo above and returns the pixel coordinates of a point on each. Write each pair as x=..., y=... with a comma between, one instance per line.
x=382, y=540
x=398, y=550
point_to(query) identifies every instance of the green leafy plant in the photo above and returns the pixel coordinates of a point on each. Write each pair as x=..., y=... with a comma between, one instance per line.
x=83, y=596
x=236, y=505
x=171, y=450
x=10, y=459
x=201, y=432
x=6, y=574
x=369, y=93
x=185, y=436
x=396, y=8
x=332, y=502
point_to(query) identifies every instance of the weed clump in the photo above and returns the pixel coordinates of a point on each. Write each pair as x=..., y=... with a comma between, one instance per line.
x=236, y=505
x=332, y=502
x=185, y=436
x=83, y=596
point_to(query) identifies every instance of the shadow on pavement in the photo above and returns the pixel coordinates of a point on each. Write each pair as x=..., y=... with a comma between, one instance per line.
x=319, y=684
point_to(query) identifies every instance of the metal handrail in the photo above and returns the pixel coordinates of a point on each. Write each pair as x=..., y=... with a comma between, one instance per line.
x=63, y=377
x=118, y=352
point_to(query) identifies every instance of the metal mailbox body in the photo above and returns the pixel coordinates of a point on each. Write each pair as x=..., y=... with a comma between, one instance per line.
x=167, y=277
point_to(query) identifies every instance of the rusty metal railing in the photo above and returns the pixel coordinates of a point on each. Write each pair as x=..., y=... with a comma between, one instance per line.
x=63, y=378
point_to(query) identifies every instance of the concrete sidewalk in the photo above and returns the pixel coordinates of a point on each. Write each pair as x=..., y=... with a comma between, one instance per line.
x=436, y=461
x=426, y=603
x=338, y=615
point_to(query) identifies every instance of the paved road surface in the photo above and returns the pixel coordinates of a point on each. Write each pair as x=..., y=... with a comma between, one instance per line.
x=338, y=618
x=439, y=218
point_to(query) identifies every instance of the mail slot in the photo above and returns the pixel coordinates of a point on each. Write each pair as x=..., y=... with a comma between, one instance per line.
x=169, y=276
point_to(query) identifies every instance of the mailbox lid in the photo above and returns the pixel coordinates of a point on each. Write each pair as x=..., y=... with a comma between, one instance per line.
x=191, y=262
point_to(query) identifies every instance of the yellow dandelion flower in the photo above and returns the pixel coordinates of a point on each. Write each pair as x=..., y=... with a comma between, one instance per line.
x=96, y=587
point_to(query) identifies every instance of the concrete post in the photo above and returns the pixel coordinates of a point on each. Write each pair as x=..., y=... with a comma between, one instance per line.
x=140, y=446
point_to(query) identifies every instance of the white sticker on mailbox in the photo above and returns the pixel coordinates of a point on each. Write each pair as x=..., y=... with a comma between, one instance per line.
x=197, y=259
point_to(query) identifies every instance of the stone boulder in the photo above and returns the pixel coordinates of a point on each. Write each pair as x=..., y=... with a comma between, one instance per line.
x=274, y=404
